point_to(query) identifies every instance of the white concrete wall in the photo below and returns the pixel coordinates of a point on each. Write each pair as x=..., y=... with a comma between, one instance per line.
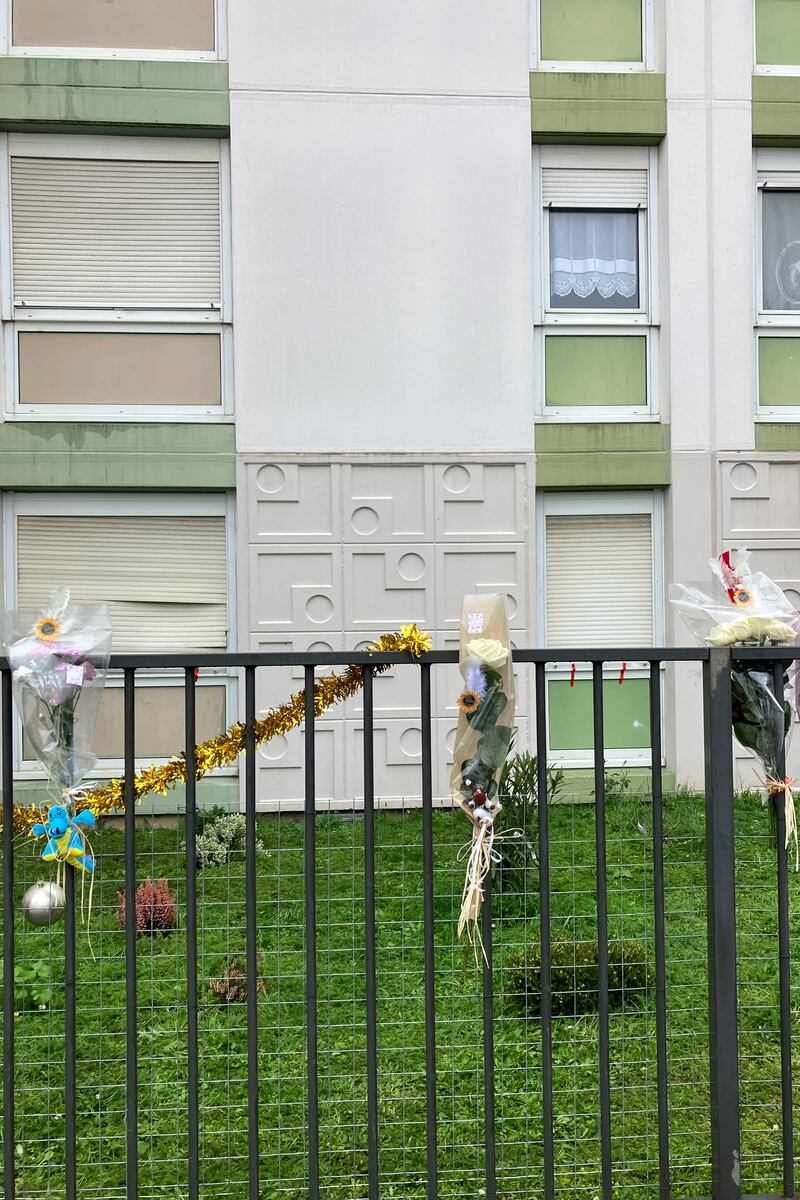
x=380, y=159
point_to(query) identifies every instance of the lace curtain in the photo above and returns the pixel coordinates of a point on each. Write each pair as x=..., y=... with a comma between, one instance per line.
x=781, y=236
x=594, y=254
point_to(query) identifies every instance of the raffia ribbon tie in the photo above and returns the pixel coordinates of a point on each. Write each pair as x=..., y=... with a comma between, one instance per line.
x=775, y=787
x=481, y=855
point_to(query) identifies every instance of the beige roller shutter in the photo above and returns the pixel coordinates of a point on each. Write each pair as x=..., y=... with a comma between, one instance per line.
x=164, y=578
x=600, y=188
x=599, y=580
x=97, y=233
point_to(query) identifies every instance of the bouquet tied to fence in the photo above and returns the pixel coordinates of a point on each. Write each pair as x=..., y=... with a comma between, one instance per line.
x=747, y=608
x=59, y=659
x=483, y=738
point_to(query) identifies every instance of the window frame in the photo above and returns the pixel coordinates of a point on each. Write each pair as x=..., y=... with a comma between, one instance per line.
x=133, y=319
x=574, y=322
x=774, y=170
x=593, y=503
x=218, y=54
x=646, y=63
x=17, y=504
x=769, y=68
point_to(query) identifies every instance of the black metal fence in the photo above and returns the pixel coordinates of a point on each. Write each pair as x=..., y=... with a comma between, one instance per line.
x=719, y=1158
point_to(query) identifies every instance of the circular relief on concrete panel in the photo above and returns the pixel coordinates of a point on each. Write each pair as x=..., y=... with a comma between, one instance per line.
x=511, y=606
x=411, y=567
x=275, y=748
x=744, y=476
x=456, y=480
x=270, y=479
x=793, y=597
x=365, y=521
x=319, y=609
x=450, y=741
x=411, y=743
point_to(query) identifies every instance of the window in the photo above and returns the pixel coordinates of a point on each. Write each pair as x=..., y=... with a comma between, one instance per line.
x=163, y=566
x=117, y=288
x=778, y=286
x=595, y=294
x=180, y=29
x=600, y=557
x=601, y=35
x=777, y=36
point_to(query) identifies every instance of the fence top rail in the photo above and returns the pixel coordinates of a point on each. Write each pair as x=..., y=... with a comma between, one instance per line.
x=347, y=658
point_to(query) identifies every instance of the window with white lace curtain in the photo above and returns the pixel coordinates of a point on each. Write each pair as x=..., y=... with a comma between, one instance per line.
x=594, y=259
x=778, y=285
x=595, y=283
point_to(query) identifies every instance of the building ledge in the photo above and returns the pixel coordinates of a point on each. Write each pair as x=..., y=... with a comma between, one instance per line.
x=598, y=106
x=602, y=455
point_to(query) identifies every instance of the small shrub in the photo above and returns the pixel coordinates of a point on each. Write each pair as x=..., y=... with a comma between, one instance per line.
x=222, y=839
x=230, y=986
x=156, y=907
x=33, y=984
x=575, y=977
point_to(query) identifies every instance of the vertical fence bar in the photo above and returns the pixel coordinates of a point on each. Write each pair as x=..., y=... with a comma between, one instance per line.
x=190, y=738
x=250, y=931
x=783, y=950
x=488, y=1041
x=369, y=935
x=310, y=865
x=721, y=918
x=131, y=1048
x=544, y=931
x=9, y=1140
x=70, y=1017
x=427, y=896
x=658, y=929
x=602, y=930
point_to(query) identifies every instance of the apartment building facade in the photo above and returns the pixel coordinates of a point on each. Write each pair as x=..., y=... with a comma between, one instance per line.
x=317, y=316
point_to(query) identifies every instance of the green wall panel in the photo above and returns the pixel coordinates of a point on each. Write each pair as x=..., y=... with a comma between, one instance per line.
x=61, y=454
x=595, y=371
x=778, y=32
x=776, y=110
x=626, y=714
x=591, y=30
x=113, y=95
x=598, y=107
x=773, y=437
x=599, y=454
x=779, y=371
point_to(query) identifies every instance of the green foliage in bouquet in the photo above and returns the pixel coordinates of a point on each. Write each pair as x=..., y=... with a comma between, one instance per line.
x=575, y=977
x=761, y=721
x=495, y=740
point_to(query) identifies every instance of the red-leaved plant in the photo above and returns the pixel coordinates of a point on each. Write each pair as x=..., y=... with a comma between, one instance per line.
x=156, y=909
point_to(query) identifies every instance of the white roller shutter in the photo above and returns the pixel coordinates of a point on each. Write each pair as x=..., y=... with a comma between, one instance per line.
x=99, y=233
x=164, y=578
x=599, y=580
x=601, y=188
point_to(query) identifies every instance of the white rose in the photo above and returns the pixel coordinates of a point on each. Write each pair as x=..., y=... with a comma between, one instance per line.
x=721, y=635
x=488, y=651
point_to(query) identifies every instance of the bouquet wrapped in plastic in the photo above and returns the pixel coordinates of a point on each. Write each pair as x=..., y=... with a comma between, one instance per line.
x=483, y=737
x=59, y=659
x=746, y=608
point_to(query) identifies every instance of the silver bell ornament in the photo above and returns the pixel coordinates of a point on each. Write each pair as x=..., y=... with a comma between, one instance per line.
x=44, y=903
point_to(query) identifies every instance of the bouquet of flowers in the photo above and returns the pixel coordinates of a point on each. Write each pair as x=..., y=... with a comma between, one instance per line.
x=59, y=659
x=483, y=738
x=746, y=608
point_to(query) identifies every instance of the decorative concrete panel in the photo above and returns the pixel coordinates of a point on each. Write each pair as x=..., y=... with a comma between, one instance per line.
x=293, y=502
x=338, y=553
x=760, y=501
x=372, y=514
x=477, y=502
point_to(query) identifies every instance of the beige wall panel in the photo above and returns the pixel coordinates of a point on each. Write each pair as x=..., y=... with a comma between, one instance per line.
x=121, y=24
x=159, y=720
x=125, y=370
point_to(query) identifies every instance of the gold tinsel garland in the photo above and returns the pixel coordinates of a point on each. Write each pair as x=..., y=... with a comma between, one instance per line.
x=224, y=750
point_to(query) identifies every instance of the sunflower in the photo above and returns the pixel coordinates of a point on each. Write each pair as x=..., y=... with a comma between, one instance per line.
x=743, y=597
x=468, y=702
x=47, y=629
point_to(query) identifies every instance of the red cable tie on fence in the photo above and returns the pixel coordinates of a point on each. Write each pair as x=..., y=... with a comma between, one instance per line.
x=622, y=672
x=572, y=676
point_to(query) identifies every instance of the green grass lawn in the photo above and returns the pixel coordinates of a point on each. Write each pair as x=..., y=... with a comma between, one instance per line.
x=162, y=1101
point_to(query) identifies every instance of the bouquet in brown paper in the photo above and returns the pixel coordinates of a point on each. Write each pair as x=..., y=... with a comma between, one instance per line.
x=483, y=738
